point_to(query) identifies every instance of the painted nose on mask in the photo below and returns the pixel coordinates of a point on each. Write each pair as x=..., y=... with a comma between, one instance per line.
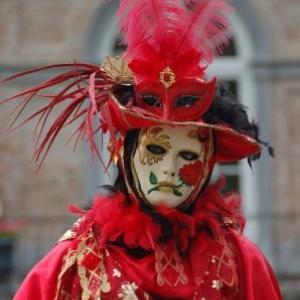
x=169, y=169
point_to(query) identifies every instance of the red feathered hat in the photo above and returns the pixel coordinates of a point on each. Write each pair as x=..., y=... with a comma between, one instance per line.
x=160, y=79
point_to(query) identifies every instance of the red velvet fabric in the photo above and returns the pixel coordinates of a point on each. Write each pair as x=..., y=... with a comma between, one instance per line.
x=40, y=283
x=259, y=281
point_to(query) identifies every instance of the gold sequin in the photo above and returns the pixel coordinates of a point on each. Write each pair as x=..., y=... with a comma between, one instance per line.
x=116, y=273
x=127, y=291
x=216, y=284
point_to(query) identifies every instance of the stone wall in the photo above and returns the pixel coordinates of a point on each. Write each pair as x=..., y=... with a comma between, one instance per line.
x=44, y=31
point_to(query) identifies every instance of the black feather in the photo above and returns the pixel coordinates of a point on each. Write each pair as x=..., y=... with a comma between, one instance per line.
x=225, y=109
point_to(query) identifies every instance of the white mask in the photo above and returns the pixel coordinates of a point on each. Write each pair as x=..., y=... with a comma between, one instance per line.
x=170, y=165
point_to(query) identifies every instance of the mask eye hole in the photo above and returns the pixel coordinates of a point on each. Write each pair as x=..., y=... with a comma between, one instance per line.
x=151, y=100
x=156, y=149
x=124, y=94
x=187, y=100
x=188, y=155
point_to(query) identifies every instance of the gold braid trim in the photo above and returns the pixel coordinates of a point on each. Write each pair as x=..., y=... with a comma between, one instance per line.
x=93, y=276
x=71, y=233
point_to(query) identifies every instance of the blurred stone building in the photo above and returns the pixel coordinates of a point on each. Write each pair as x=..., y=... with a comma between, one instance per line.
x=263, y=67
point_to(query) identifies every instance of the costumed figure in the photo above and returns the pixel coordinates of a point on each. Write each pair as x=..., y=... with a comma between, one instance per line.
x=162, y=231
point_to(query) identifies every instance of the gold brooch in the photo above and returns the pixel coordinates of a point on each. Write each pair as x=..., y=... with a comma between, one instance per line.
x=117, y=69
x=167, y=77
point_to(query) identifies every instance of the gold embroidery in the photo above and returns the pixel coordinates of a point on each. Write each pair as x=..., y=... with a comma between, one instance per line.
x=150, y=137
x=226, y=264
x=169, y=263
x=71, y=233
x=68, y=235
x=116, y=273
x=127, y=291
x=167, y=77
x=216, y=284
x=147, y=297
x=90, y=269
x=68, y=261
x=93, y=279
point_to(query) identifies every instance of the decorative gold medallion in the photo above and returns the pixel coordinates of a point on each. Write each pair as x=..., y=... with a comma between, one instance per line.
x=117, y=69
x=167, y=77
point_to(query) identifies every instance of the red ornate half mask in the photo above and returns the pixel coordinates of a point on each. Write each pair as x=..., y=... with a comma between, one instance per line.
x=186, y=100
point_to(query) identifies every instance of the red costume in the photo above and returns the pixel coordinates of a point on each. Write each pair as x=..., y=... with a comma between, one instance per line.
x=205, y=259
x=163, y=231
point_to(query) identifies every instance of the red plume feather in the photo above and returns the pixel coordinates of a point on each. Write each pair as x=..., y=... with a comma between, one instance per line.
x=183, y=35
x=81, y=81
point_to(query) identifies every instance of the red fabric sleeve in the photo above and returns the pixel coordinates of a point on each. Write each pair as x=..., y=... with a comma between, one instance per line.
x=258, y=281
x=40, y=283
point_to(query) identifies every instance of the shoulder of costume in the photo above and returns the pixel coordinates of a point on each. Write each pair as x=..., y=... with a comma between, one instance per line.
x=254, y=269
x=224, y=208
x=102, y=208
x=213, y=210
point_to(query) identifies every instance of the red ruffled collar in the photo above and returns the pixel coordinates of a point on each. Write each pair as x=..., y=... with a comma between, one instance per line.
x=112, y=219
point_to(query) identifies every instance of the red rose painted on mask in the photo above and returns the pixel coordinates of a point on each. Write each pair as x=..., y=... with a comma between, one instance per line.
x=190, y=173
